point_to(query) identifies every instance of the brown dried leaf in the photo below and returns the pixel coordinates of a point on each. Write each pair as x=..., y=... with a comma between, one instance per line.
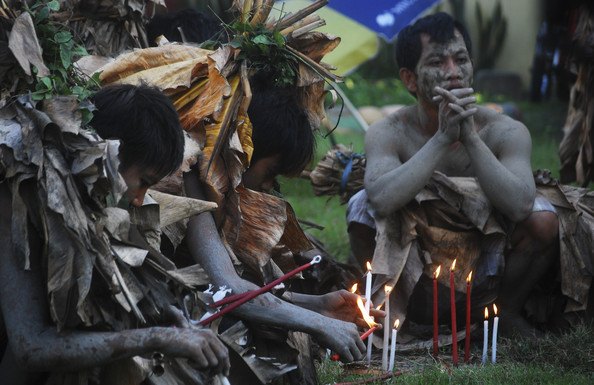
x=181, y=57
x=25, y=47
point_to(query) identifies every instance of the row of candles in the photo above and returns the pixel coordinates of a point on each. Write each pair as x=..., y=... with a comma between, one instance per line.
x=238, y=299
x=388, y=290
x=454, y=328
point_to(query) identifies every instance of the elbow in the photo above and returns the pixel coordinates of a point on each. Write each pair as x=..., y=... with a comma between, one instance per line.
x=28, y=357
x=523, y=210
x=375, y=199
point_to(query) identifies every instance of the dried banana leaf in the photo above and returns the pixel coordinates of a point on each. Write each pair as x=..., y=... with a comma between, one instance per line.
x=339, y=172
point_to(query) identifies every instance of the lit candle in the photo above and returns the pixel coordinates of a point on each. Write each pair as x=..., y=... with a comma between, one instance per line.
x=453, y=302
x=367, y=305
x=467, y=340
x=368, y=288
x=387, y=290
x=485, y=335
x=354, y=288
x=494, y=342
x=435, y=324
x=393, y=346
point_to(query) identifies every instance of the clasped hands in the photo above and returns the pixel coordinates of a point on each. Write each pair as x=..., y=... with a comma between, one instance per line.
x=456, y=110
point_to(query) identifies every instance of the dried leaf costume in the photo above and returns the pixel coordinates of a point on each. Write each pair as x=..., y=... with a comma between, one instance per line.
x=103, y=266
x=451, y=218
x=211, y=92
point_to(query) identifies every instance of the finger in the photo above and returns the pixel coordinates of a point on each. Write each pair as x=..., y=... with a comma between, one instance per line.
x=199, y=360
x=462, y=113
x=222, y=355
x=377, y=313
x=462, y=92
x=467, y=101
x=176, y=316
x=456, y=108
x=453, y=95
x=346, y=356
x=360, y=349
x=361, y=323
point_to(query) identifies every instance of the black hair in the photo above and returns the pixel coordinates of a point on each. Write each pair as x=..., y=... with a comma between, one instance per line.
x=196, y=26
x=280, y=127
x=145, y=121
x=440, y=27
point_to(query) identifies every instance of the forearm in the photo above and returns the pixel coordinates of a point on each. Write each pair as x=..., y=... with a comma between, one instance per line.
x=75, y=350
x=510, y=193
x=208, y=250
x=392, y=190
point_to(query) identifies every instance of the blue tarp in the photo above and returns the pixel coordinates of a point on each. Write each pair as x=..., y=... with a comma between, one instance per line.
x=386, y=17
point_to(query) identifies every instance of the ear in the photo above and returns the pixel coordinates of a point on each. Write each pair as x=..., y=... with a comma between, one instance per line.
x=409, y=80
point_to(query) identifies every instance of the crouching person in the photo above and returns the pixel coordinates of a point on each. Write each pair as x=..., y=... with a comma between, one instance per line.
x=70, y=305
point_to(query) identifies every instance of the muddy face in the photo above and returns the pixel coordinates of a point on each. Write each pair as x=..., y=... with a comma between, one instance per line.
x=446, y=65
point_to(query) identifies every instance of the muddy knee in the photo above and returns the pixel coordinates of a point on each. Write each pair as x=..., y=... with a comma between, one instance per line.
x=540, y=228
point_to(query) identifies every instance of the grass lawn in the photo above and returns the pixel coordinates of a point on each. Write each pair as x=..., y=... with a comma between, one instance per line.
x=567, y=359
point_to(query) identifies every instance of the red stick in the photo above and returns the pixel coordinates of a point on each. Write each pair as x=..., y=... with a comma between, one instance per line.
x=435, y=323
x=272, y=284
x=454, y=332
x=467, y=340
x=254, y=293
x=363, y=337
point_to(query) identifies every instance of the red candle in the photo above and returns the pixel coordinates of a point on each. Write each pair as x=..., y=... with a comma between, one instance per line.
x=467, y=340
x=453, y=302
x=435, y=323
x=242, y=298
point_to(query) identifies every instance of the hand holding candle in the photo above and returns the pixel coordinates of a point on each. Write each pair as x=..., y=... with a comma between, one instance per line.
x=467, y=337
x=453, y=310
x=369, y=321
x=393, y=346
x=485, y=335
x=435, y=323
x=494, y=342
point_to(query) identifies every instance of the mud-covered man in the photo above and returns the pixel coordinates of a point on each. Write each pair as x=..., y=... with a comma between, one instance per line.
x=445, y=131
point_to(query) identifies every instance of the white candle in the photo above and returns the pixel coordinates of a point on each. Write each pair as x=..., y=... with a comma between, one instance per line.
x=368, y=288
x=369, y=347
x=367, y=306
x=494, y=342
x=387, y=290
x=393, y=346
x=485, y=335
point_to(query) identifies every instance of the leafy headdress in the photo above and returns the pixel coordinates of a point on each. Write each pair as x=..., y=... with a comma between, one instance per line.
x=211, y=91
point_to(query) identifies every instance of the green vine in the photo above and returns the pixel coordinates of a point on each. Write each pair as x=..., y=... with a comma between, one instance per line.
x=265, y=52
x=60, y=51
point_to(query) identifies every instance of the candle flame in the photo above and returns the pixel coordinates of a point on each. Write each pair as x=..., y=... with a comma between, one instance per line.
x=354, y=288
x=396, y=323
x=495, y=309
x=368, y=266
x=436, y=274
x=453, y=265
x=486, y=312
x=366, y=316
x=380, y=306
x=469, y=277
x=388, y=289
